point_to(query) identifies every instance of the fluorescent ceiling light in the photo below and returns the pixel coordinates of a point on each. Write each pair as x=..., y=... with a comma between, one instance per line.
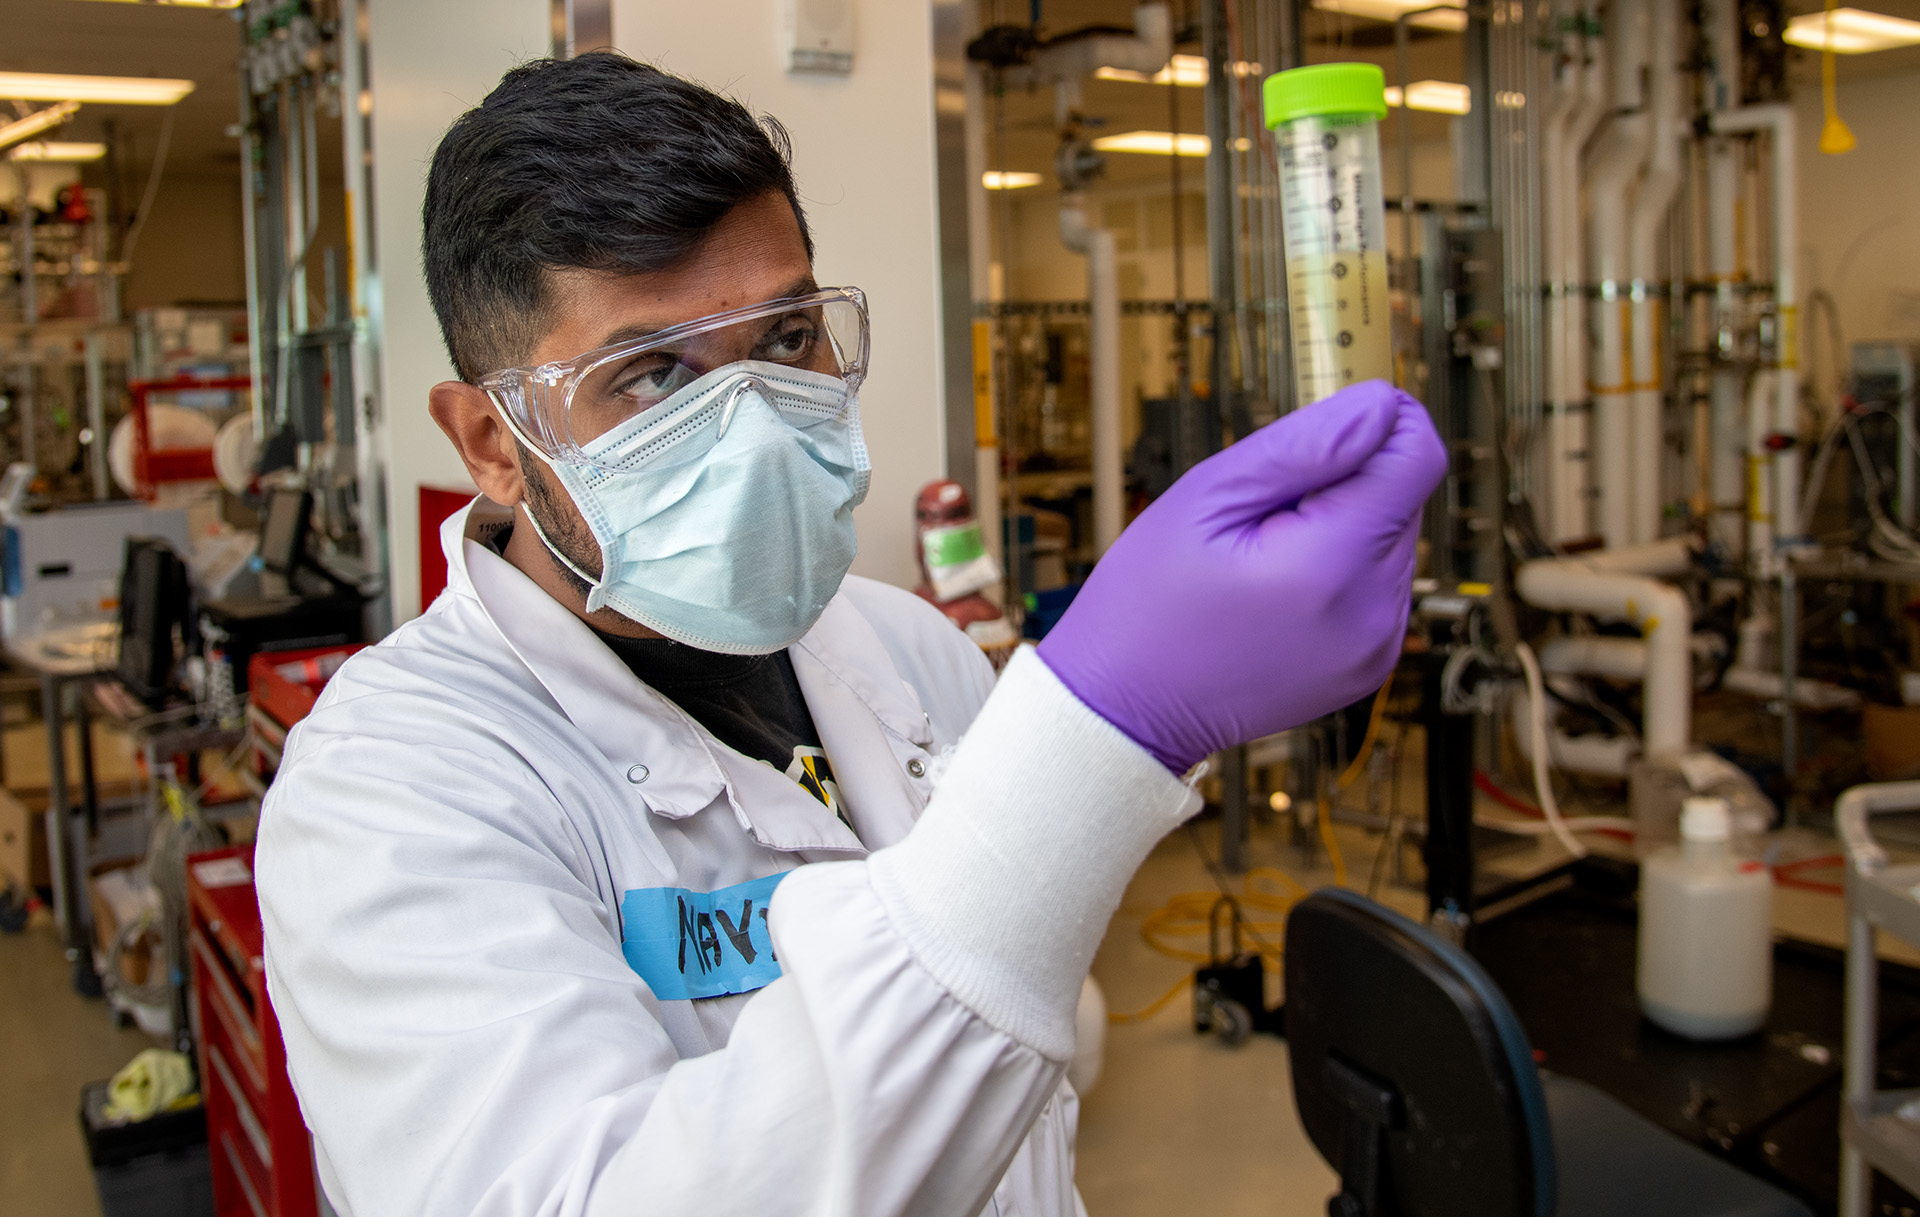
x=1435, y=96
x=1189, y=70
x=1851, y=31
x=124, y=90
x=54, y=150
x=1153, y=143
x=1008, y=179
x=1388, y=10
x=36, y=123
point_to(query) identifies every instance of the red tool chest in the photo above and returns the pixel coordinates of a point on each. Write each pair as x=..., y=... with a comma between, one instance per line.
x=261, y=1155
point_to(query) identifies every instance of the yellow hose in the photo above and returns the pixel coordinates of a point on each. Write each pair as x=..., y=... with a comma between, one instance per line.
x=1359, y=761
x=1187, y=916
x=1353, y=770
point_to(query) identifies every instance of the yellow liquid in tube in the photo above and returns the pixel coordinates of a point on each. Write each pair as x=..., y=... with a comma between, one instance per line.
x=1342, y=322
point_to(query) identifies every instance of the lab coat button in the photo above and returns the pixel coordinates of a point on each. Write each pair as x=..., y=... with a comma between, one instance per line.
x=917, y=768
x=637, y=774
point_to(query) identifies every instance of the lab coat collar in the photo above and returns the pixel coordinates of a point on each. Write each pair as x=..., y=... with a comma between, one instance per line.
x=631, y=724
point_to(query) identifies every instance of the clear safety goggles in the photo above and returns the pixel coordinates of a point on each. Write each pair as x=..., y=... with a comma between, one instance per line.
x=563, y=407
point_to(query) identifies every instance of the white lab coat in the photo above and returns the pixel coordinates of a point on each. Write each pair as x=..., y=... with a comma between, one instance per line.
x=487, y=809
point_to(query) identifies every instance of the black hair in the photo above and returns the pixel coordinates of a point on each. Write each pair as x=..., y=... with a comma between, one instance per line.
x=597, y=162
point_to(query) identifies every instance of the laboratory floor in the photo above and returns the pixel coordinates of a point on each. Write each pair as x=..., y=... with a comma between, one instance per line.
x=1177, y=1123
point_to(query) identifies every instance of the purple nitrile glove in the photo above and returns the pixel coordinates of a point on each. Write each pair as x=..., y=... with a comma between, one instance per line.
x=1267, y=587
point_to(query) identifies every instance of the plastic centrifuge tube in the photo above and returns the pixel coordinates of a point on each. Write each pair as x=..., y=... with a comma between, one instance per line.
x=1326, y=121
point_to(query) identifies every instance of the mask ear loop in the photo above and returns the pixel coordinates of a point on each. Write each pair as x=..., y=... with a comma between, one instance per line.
x=596, y=588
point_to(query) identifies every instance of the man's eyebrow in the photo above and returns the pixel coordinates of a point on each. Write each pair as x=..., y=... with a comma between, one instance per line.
x=803, y=286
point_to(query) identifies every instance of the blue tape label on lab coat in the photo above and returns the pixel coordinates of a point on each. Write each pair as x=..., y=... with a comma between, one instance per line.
x=688, y=944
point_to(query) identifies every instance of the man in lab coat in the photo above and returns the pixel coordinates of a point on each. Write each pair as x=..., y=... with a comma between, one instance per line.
x=648, y=871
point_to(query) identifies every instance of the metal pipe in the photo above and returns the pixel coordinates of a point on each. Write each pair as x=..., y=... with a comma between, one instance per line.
x=29, y=277
x=1103, y=356
x=370, y=461
x=1778, y=122
x=1407, y=206
x=1222, y=235
x=97, y=413
x=1222, y=241
x=1577, y=429
x=249, y=204
x=1728, y=485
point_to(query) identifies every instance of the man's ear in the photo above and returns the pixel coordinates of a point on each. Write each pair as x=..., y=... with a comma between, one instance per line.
x=473, y=423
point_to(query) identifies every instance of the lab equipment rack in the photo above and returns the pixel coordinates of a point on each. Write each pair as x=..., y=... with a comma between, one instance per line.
x=1878, y=1130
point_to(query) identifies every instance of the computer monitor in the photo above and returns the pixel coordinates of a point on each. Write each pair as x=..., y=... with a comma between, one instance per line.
x=283, y=531
x=154, y=595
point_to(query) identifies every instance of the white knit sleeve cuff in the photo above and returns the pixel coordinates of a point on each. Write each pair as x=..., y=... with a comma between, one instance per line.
x=1005, y=887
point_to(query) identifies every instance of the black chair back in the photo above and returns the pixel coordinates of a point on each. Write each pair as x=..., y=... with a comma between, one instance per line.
x=1411, y=1074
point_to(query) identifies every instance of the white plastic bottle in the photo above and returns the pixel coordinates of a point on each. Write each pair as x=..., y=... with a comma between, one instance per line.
x=1706, y=931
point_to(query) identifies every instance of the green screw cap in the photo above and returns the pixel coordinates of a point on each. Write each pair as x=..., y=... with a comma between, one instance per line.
x=1326, y=88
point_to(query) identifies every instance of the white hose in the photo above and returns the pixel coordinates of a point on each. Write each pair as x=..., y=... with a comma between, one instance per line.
x=1543, y=785
x=1540, y=828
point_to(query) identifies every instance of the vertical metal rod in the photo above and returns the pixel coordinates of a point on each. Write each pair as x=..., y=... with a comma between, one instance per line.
x=1402, y=127
x=59, y=843
x=1220, y=227
x=1789, y=669
x=1220, y=255
x=97, y=412
x=1182, y=320
x=1858, y=1052
x=249, y=204
x=29, y=278
x=1289, y=44
x=364, y=353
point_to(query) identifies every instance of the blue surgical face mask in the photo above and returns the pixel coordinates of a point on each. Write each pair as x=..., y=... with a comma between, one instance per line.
x=724, y=514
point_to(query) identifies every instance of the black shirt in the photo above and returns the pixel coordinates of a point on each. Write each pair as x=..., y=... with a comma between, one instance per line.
x=751, y=703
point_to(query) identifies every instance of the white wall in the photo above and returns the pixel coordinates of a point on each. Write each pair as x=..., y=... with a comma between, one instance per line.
x=431, y=60
x=863, y=154
x=864, y=157
x=1859, y=233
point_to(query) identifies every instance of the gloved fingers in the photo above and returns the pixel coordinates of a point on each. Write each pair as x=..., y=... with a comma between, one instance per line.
x=1394, y=481
x=1291, y=457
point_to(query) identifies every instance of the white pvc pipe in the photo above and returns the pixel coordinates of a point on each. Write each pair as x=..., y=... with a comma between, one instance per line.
x=1147, y=49
x=1103, y=357
x=1561, y=499
x=1666, y=623
x=1667, y=559
x=1607, y=756
x=1616, y=167
x=1595, y=655
x=1573, y=393
x=1651, y=205
x=1778, y=121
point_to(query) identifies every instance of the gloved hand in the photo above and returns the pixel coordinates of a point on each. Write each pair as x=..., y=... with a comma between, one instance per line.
x=1267, y=587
